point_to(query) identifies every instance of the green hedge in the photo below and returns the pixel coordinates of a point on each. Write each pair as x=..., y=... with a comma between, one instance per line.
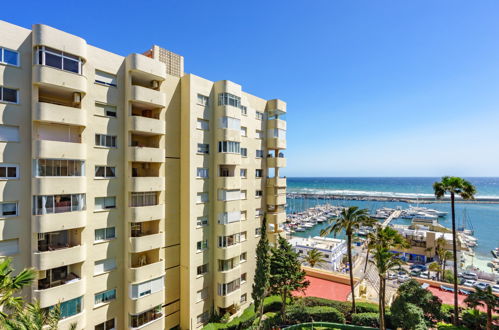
x=300, y=314
x=345, y=307
x=366, y=319
x=327, y=325
x=272, y=304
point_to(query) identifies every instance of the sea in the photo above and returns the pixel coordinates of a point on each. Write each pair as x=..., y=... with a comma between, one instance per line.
x=482, y=218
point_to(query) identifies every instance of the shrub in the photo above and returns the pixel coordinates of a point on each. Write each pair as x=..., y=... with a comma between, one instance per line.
x=343, y=307
x=365, y=307
x=474, y=319
x=445, y=326
x=366, y=319
x=272, y=304
x=244, y=321
x=446, y=312
x=300, y=314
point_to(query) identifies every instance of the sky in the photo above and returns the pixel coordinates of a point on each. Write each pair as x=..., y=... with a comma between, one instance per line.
x=373, y=88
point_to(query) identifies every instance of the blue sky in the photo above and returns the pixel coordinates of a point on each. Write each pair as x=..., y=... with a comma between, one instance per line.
x=374, y=88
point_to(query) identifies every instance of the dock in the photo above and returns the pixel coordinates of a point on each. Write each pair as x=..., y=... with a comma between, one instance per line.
x=395, y=214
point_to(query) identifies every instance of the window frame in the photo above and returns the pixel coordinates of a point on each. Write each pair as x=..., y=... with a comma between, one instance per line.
x=2, y=57
x=106, y=238
x=103, y=137
x=105, y=172
x=103, y=293
x=42, y=50
x=7, y=166
x=2, y=215
x=2, y=87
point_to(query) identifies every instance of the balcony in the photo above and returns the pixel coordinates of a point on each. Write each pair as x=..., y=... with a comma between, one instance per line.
x=57, y=39
x=146, y=66
x=149, y=320
x=229, y=182
x=146, y=154
x=147, y=125
x=147, y=302
x=147, y=213
x=59, y=221
x=55, y=113
x=147, y=96
x=276, y=217
x=229, y=252
x=147, y=184
x=51, y=77
x=59, y=150
x=230, y=135
x=273, y=162
x=228, y=158
x=276, y=107
x=276, y=143
x=228, y=301
x=147, y=242
x=147, y=272
x=58, y=185
x=276, y=199
x=58, y=256
x=276, y=123
x=276, y=182
x=60, y=291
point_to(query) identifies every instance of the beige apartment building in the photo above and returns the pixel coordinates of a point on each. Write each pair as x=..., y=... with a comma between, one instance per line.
x=135, y=190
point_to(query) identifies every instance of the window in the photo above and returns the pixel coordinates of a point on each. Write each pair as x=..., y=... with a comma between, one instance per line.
x=243, y=277
x=105, y=171
x=259, y=115
x=105, y=140
x=243, y=236
x=58, y=203
x=229, y=99
x=59, y=60
x=243, y=257
x=277, y=133
x=229, y=217
x=202, y=198
x=9, y=133
x=229, y=147
x=258, y=173
x=244, y=131
x=259, y=153
x=244, y=152
x=243, y=172
x=202, y=294
x=203, y=100
x=224, y=265
x=9, y=95
x=70, y=307
x=202, y=172
x=258, y=231
x=146, y=288
x=9, y=247
x=244, y=216
x=108, y=325
x=144, y=199
x=259, y=134
x=258, y=193
x=258, y=212
x=104, y=297
x=226, y=241
x=8, y=209
x=105, y=234
x=60, y=167
x=8, y=56
x=203, y=317
x=105, y=203
x=203, y=269
x=105, y=110
x=202, y=221
x=243, y=194
x=244, y=110
x=202, y=245
x=203, y=124
x=8, y=171
x=105, y=78
x=203, y=148
x=230, y=123
x=226, y=288
x=146, y=317
x=229, y=195
x=244, y=298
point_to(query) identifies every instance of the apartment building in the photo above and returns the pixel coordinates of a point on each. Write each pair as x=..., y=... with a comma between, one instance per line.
x=136, y=190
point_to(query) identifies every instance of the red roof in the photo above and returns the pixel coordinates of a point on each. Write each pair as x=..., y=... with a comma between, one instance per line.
x=325, y=289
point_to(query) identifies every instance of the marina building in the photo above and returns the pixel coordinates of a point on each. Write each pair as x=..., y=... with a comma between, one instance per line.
x=134, y=189
x=332, y=249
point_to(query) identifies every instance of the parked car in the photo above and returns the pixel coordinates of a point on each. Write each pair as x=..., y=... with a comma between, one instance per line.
x=481, y=285
x=402, y=278
x=469, y=283
x=470, y=276
x=392, y=276
x=415, y=272
x=495, y=288
x=425, y=274
x=418, y=267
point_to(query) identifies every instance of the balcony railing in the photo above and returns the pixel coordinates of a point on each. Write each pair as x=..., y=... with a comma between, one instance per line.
x=46, y=284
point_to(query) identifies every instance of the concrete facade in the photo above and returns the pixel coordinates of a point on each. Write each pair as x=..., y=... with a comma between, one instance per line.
x=135, y=190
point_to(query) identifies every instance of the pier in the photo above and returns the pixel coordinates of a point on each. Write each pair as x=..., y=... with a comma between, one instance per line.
x=392, y=216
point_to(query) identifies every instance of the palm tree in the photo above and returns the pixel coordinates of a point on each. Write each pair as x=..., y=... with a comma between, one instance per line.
x=481, y=298
x=10, y=285
x=435, y=267
x=350, y=220
x=381, y=242
x=314, y=257
x=442, y=253
x=454, y=186
x=33, y=317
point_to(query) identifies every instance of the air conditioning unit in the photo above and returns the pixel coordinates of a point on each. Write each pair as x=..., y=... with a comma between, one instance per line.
x=155, y=84
x=76, y=98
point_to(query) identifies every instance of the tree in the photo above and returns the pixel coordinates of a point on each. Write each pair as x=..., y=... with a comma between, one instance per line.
x=454, y=186
x=410, y=296
x=381, y=242
x=442, y=253
x=10, y=285
x=350, y=220
x=33, y=317
x=435, y=267
x=261, y=280
x=484, y=298
x=286, y=274
x=314, y=257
